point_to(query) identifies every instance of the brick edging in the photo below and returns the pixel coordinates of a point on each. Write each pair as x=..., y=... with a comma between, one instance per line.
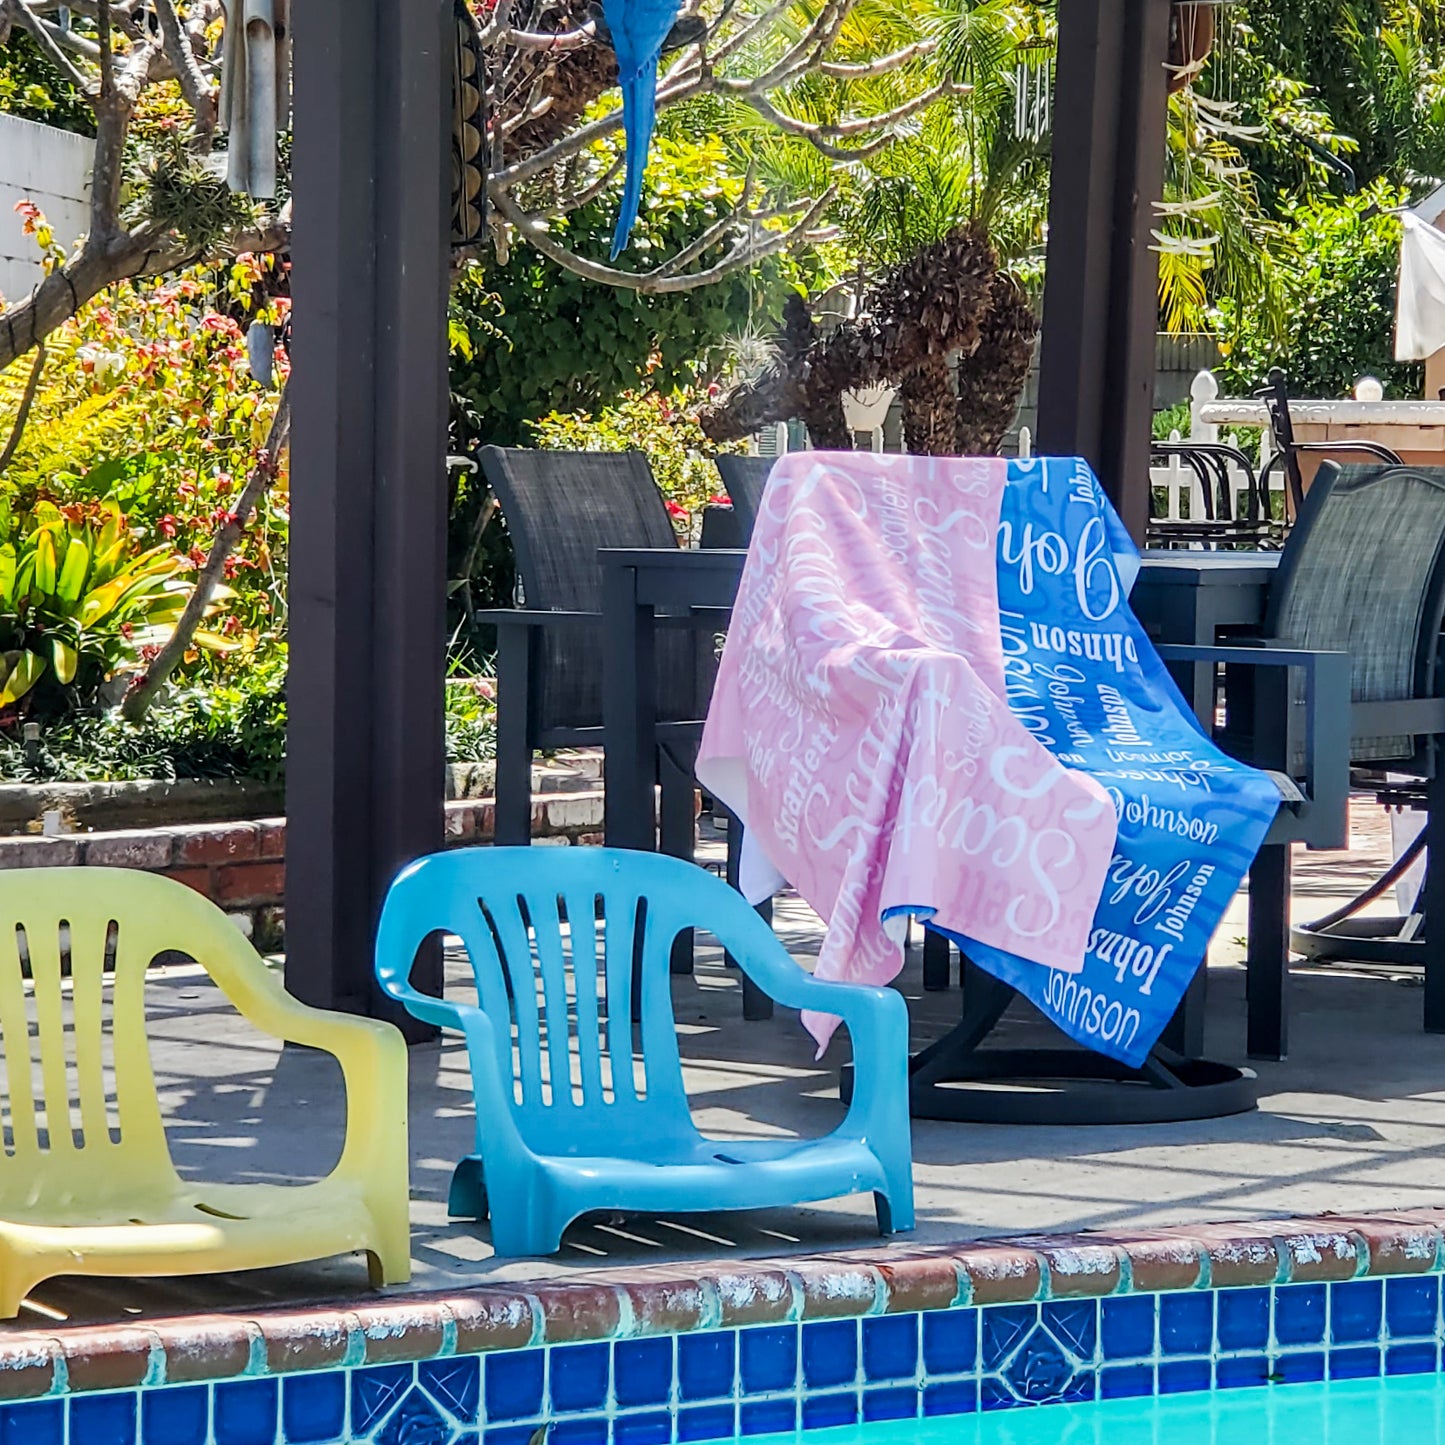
x=676, y=1299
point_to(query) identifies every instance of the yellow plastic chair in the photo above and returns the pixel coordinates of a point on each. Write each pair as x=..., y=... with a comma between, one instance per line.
x=87, y=1185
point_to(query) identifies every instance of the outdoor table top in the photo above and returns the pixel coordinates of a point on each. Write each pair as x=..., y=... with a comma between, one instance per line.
x=1171, y=568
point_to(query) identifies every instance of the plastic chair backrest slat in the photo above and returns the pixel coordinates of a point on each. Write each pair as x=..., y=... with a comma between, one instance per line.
x=81, y=1134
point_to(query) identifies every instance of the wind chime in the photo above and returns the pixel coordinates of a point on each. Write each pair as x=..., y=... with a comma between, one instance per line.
x=255, y=100
x=1033, y=89
x=1192, y=32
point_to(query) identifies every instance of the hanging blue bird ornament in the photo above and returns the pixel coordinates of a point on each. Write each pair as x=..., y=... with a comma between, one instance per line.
x=639, y=29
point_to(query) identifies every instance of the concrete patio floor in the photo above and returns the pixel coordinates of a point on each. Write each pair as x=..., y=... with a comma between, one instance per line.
x=1354, y=1120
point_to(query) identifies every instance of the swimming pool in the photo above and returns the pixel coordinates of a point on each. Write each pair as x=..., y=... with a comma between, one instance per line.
x=1398, y=1411
x=1327, y=1329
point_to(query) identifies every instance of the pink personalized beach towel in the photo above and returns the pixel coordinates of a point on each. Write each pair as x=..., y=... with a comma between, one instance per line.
x=860, y=728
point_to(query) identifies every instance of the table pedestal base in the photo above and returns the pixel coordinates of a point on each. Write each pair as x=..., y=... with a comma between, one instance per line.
x=956, y=1080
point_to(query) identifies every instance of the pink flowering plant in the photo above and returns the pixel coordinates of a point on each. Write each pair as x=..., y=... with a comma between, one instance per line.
x=146, y=404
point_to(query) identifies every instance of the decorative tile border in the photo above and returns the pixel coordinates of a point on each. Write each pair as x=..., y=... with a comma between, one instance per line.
x=752, y=1349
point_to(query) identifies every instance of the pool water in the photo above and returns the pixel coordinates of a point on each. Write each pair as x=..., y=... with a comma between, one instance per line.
x=1399, y=1410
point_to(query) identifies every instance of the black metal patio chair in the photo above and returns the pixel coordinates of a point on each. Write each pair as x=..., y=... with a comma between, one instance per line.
x=560, y=508
x=1363, y=574
x=1288, y=451
x=1214, y=465
x=744, y=479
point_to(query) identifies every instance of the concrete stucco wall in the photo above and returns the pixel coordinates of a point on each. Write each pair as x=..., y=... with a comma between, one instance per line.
x=51, y=168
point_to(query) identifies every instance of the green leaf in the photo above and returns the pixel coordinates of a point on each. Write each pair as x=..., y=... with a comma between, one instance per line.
x=71, y=582
x=65, y=660
x=29, y=668
x=45, y=560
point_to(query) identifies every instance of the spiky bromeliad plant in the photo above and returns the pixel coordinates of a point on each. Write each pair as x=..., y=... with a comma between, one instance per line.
x=78, y=604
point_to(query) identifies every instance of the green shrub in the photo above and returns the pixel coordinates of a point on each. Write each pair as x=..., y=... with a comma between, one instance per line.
x=1340, y=272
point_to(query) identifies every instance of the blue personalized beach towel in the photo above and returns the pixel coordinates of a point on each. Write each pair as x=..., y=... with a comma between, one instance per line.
x=1083, y=677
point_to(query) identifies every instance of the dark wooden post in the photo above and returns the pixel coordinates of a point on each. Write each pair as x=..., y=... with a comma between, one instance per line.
x=1096, y=375
x=368, y=482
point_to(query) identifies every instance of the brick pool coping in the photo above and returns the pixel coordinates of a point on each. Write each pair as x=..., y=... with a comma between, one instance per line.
x=682, y=1298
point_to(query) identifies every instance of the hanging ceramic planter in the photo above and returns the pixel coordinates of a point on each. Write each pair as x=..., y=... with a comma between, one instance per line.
x=866, y=408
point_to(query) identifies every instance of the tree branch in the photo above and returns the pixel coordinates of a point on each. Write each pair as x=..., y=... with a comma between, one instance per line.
x=657, y=282
x=22, y=415
x=41, y=30
x=263, y=473
x=179, y=51
x=872, y=69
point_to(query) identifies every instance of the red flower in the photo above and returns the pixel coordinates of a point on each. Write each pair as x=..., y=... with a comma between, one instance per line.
x=676, y=511
x=167, y=526
x=127, y=631
x=720, y=500
x=224, y=483
x=198, y=558
x=231, y=566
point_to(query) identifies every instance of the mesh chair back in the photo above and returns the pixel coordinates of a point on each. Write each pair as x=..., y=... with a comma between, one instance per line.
x=560, y=507
x=1364, y=573
x=744, y=479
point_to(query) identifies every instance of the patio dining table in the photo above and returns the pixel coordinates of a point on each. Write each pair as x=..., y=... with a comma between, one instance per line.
x=1179, y=597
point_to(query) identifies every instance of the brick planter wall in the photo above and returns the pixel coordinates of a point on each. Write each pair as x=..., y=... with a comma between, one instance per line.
x=242, y=866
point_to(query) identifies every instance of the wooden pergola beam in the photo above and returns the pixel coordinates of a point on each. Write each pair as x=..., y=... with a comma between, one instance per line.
x=1096, y=370
x=367, y=577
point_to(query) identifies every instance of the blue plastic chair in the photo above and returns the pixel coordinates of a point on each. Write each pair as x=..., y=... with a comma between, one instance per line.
x=566, y=1123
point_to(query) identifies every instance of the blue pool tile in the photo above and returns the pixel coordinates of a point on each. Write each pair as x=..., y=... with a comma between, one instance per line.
x=111, y=1419
x=512, y=1386
x=455, y=1385
x=244, y=1412
x=1299, y=1369
x=821, y=1412
x=1121, y=1382
x=1177, y=1377
x=950, y=1342
x=1083, y=1387
x=592, y=1430
x=33, y=1422
x=1299, y=1314
x=994, y=1394
x=890, y=1404
x=1410, y=1359
x=182, y=1416
x=1241, y=1372
x=830, y=1353
x=654, y=1427
x=1412, y=1307
x=374, y=1394
x=954, y=1397
x=1039, y=1371
x=890, y=1348
x=707, y=1422
x=768, y=1359
x=642, y=1372
x=509, y=1435
x=1242, y=1319
x=577, y=1377
x=1127, y=1327
x=1186, y=1323
x=1356, y=1311
x=1357, y=1363
x=1004, y=1327
x=416, y=1421
x=707, y=1365
x=1074, y=1324
x=767, y=1417
x=313, y=1408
